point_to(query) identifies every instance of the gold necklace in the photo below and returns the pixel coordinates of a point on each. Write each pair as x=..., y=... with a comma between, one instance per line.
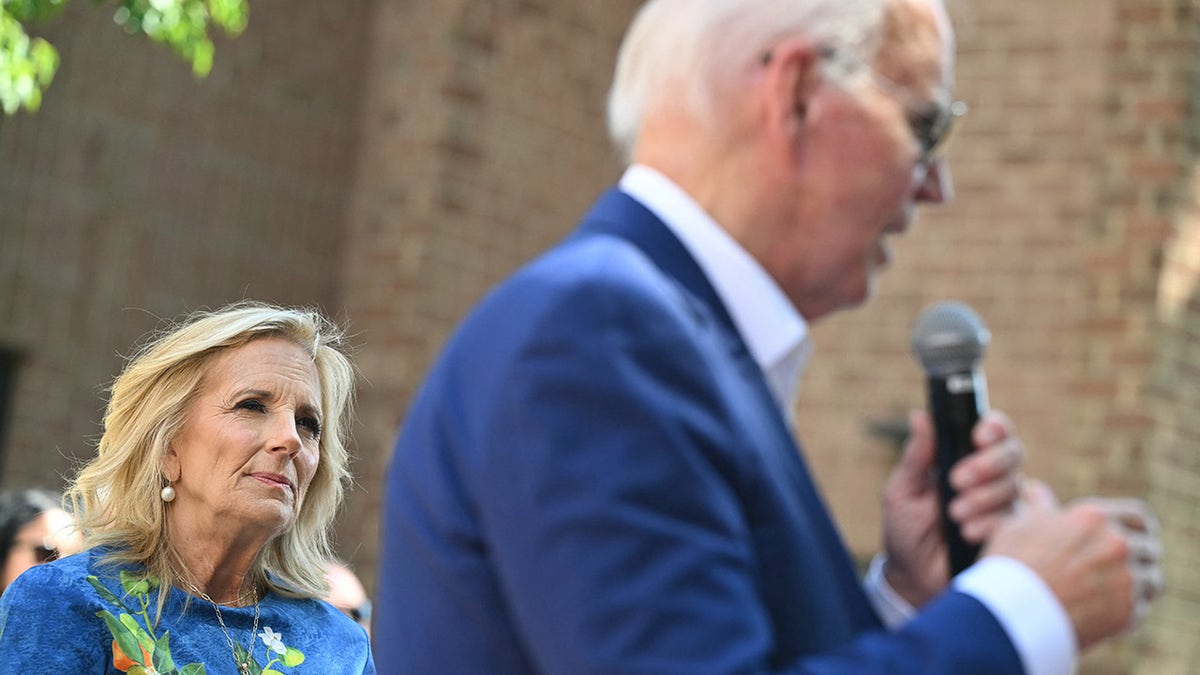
x=243, y=665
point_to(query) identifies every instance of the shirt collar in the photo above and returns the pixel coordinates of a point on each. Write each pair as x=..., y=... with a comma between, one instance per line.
x=774, y=332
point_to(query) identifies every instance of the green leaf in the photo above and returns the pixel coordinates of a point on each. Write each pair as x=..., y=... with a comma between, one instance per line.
x=135, y=584
x=107, y=594
x=138, y=632
x=202, y=58
x=292, y=657
x=33, y=10
x=162, y=654
x=193, y=669
x=45, y=61
x=231, y=15
x=26, y=64
x=240, y=654
x=124, y=638
x=271, y=671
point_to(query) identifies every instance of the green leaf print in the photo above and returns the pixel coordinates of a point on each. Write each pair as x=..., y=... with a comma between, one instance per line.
x=143, y=653
x=163, y=662
x=142, y=636
x=241, y=655
x=136, y=584
x=107, y=594
x=126, y=640
x=293, y=657
x=149, y=654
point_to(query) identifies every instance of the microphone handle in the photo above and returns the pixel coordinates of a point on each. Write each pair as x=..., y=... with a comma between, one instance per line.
x=956, y=402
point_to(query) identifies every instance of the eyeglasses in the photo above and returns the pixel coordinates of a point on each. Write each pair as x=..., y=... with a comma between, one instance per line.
x=932, y=124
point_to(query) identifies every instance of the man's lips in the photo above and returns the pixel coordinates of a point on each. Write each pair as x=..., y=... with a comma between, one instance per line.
x=274, y=479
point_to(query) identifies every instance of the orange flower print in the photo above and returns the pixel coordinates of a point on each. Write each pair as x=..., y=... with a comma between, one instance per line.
x=124, y=663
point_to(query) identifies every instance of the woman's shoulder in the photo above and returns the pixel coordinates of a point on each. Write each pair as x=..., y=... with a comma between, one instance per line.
x=309, y=610
x=52, y=604
x=66, y=574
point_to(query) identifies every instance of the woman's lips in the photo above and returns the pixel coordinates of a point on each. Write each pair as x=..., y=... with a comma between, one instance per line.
x=274, y=479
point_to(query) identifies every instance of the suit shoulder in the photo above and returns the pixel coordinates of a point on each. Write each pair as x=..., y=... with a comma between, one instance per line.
x=592, y=276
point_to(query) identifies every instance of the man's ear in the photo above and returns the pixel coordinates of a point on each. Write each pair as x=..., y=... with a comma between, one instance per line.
x=792, y=78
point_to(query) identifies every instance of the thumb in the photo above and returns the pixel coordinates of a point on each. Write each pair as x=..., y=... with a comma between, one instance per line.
x=917, y=460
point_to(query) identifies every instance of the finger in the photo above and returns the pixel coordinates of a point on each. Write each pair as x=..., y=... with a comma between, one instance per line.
x=987, y=464
x=980, y=529
x=992, y=428
x=1133, y=514
x=1127, y=513
x=916, y=462
x=1140, y=609
x=997, y=496
x=1153, y=583
x=1148, y=584
x=1144, y=550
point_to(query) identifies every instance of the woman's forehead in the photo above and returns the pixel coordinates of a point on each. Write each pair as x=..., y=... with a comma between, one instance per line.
x=269, y=361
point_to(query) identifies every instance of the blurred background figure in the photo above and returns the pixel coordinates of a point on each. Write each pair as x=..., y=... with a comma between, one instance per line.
x=33, y=529
x=346, y=592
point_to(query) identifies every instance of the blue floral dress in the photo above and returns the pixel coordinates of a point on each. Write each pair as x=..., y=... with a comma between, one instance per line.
x=77, y=616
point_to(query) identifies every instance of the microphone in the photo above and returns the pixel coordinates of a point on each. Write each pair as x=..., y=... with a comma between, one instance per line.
x=949, y=340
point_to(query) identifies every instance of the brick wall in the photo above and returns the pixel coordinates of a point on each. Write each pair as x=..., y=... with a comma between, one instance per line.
x=486, y=144
x=424, y=150
x=140, y=192
x=1156, y=124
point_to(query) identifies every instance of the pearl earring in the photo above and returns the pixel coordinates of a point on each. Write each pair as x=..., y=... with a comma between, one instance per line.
x=167, y=494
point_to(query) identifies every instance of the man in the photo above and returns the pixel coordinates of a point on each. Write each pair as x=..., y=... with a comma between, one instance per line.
x=598, y=476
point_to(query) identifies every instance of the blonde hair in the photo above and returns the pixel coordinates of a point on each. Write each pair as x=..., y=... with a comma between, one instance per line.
x=689, y=52
x=115, y=496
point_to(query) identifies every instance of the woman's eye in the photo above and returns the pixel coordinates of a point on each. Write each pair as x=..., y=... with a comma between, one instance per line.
x=311, y=424
x=251, y=404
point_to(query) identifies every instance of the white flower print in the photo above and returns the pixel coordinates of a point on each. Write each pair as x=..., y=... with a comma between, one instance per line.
x=273, y=640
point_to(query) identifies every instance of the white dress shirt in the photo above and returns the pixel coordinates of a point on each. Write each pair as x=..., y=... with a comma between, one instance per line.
x=778, y=340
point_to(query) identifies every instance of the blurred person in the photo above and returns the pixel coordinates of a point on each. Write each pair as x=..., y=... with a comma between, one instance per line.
x=34, y=529
x=346, y=592
x=600, y=475
x=206, y=512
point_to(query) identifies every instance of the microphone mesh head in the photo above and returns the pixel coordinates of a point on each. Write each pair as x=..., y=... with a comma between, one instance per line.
x=949, y=337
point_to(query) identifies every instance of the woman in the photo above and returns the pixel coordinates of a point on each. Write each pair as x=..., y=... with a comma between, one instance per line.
x=206, y=512
x=33, y=530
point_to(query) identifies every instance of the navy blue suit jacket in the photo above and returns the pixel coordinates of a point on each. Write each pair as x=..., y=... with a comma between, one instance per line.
x=596, y=479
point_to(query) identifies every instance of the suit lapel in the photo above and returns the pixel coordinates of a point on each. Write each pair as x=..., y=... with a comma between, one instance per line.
x=619, y=215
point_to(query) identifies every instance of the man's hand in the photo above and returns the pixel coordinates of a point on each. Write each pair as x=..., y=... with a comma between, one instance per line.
x=1100, y=557
x=987, y=483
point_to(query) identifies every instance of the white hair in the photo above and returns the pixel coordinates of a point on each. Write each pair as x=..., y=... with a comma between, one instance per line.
x=686, y=51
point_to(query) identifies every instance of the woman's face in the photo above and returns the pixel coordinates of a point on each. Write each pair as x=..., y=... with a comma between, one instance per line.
x=249, y=445
x=42, y=539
